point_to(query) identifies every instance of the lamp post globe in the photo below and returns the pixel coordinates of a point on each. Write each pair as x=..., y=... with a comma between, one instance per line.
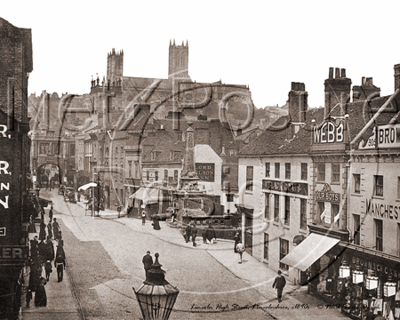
x=156, y=296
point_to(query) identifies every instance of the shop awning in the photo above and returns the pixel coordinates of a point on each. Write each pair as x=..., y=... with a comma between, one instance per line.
x=148, y=195
x=309, y=251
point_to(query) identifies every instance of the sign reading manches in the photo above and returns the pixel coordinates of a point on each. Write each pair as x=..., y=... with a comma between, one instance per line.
x=286, y=186
x=206, y=171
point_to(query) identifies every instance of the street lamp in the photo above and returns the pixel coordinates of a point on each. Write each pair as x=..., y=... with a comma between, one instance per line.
x=344, y=270
x=156, y=297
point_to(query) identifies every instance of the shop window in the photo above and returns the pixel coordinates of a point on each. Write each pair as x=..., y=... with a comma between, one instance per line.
x=147, y=175
x=378, y=234
x=335, y=172
x=266, y=213
x=303, y=214
x=249, y=178
x=378, y=186
x=287, y=170
x=287, y=210
x=277, y=169
x=304, y=171
x=276, y=208
x=357, y=182
x=166, y=175
x=321, y=209
x=357, y=226
x=266, y=245
x=267, y=169
x=321, y=172
x=175, y=176
x=283, y=252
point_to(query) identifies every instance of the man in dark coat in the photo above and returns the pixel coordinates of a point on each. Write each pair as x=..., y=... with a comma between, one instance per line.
x=42, y=233
x=279, y=284
x=56, y=229
x=147, y=262
x=59, y=264
x=194, y=233
x=156, y=223
x=51, y=213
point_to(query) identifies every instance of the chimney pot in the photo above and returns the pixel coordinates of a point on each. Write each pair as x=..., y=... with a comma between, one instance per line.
x=369, y=82
x=362, y=81
x=337, y=73
x=343, y=73
x=330, y=73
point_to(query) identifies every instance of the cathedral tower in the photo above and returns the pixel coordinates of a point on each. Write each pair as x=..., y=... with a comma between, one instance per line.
x=178, y=66
x=115, y=65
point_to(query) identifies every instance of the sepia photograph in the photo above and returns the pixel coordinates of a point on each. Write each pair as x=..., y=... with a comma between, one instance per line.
x=259, y=179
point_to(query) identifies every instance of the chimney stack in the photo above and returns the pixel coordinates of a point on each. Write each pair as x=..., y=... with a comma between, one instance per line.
x=337, y=73
x=366, y=90
x=337, y=91
x=298, y=102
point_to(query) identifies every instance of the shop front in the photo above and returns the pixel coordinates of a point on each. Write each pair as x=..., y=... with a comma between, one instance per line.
x=371, y=281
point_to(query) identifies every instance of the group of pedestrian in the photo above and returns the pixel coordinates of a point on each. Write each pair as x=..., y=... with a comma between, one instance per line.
x=41, y=258
x=209, y=234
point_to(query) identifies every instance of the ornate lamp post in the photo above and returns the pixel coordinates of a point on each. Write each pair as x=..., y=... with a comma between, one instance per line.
x=156, y=296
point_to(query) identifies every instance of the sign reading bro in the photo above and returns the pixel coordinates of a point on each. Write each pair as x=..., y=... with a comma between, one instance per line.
x=388, y=136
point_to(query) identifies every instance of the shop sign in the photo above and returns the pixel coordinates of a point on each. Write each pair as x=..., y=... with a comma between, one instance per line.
x=388, y=136
x=327, y=195
x=285, y=186
x=381, y=268
x=381, y=210
x=5, y=179
x=10, y=253
x=206, y=171
x=329, y=132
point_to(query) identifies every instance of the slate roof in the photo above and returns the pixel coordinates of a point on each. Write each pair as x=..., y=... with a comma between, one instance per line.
x=279, y=139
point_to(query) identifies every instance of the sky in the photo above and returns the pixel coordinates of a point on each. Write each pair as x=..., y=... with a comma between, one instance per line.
x=263, y=44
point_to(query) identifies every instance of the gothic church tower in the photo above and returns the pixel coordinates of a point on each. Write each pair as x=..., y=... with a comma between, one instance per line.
x=178, y=66
x=115, y=65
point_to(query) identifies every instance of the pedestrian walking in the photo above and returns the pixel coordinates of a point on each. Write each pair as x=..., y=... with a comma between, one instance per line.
x=279, y=284
x=42, y=233
x=48, y=269
x=49, y=249
x=56, y=229
x=49, y=230
x=240, y=249
x=28, y=297
x=147, y=262
x=143, y=218
x=237, y=241
x=194, y=233
x=40, y=295
x=51, y=213
x=188, y=232
x=42, y=250
x=31, y=227
x=59, y=264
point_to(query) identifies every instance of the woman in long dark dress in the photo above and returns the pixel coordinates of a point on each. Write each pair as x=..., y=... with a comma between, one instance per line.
x=156, y=223
x=42, y=233
x=40, y=295
x=49, y=249
x=49, y=230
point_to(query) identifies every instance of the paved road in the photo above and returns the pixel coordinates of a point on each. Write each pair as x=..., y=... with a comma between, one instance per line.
x=104, y=263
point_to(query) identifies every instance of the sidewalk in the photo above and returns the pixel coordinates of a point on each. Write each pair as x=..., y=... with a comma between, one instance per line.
x=297, y=304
